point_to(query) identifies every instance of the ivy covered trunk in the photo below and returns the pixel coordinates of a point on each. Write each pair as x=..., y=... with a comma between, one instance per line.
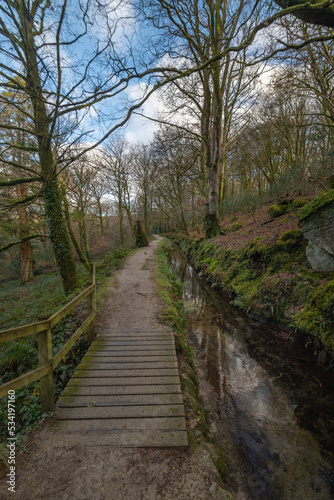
x=59, y=236
x=44, y=128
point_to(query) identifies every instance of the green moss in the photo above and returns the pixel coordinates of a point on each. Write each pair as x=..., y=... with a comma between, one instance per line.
x=220, y=464
x=235, y=227
x=211, y=226
x=141, y=237
x=299, y=203
x=318, y=314
x=316, y=204
x=272, y=282
x=277, y=210
x=293, y=235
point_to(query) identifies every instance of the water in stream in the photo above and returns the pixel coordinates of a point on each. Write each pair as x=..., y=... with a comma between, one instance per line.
x=270, y=407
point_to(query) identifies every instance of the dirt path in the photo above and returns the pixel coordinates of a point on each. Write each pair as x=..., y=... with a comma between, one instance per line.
x=53, y=469
x=134, y=303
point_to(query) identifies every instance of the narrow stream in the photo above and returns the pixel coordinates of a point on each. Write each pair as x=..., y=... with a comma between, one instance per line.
x=270, y=407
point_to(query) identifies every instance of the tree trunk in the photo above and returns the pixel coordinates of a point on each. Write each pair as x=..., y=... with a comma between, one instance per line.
x=101, y=218
x=331, y=175
x=26, y=260
x=129, y=215
x=121, y=225
x=59, y=236
x=51, y=192
x=211, y=224
x=84, y=236
x=75, y=243
x=141, y=238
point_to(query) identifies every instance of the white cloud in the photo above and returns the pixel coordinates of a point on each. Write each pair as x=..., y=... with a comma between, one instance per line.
x=139, y=128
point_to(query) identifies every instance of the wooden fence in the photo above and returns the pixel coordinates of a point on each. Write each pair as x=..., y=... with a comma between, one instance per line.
x=46, y=362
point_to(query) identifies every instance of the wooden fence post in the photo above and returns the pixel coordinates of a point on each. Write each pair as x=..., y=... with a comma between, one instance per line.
x=91, y=304
x=46, y=382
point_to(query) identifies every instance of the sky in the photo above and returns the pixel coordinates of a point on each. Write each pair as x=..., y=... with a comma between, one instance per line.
x=125, y=31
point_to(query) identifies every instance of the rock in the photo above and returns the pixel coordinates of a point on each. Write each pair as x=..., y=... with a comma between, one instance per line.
x=278, y=209
x=299, y=202
x=316, y=221
x=218, y=493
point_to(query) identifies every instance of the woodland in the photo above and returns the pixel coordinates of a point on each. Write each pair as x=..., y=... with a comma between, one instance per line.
x=242, y=110
x=209, y=121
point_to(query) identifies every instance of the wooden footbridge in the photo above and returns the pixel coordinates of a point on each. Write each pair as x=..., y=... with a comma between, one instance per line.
x=126, y=391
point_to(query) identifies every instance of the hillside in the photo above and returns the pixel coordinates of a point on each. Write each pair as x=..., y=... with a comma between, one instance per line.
x=261, y=263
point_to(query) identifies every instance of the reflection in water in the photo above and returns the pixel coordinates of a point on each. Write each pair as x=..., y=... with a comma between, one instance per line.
x=274, y=417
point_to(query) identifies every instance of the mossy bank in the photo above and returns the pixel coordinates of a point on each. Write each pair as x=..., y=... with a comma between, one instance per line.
x=173, y=314
x=272, y=283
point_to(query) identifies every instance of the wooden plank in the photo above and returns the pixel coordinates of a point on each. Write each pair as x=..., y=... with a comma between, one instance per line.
x=23, y=331
x=135, y=336
x=120, y=412
x=46, y=382
x=73, y=401
x=66, y=347
x=125, y=373
x=131, y=353
x=82, y=390
x=93, y=381
x=135, y=331
x=139, y=339
x=100, y=358
x=139, y=342
x=114, y=424
x=70, y=306
x=129, y=439
x=23, y=380
x=129, y=348
x=126, y=393
x=151, y=365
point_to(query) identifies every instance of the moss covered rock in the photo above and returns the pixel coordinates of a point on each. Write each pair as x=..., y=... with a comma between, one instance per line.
x=315, y=205
x=278, y=209
x=316, y=221
x=237, y=225
x=299, y=203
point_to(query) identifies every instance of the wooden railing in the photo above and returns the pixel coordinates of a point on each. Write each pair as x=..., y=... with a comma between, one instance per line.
x=46, y=362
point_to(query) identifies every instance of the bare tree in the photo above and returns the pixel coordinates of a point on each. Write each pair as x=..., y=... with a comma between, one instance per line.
x=117, y=165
